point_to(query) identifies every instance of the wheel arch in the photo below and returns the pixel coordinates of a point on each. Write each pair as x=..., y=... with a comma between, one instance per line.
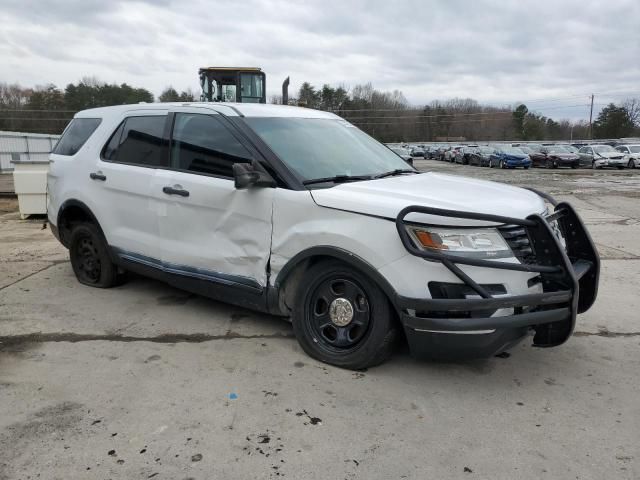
x=74, y=211
x=284, y=288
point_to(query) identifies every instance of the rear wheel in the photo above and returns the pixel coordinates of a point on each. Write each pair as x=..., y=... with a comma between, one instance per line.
x=342, y=318
x=89, y=257
x=501, y=164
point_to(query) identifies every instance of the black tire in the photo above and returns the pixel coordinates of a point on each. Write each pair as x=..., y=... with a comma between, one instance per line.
x=501, y=164
x=631, y=164
x=368, y=337
x=526, y=168
x=547, y=163
x=90, y=258
x=574, y=165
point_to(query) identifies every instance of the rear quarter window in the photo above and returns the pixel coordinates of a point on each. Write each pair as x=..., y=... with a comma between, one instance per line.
x=75, y=135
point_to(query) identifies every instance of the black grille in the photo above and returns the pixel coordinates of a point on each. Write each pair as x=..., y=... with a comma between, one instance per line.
x=518, y=240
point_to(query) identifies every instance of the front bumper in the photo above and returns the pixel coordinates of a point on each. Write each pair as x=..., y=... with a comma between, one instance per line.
x=611, y=162
x=468, y=327
x=517, y=163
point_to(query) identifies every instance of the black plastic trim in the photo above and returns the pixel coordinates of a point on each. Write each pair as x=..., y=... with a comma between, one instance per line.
x=487, y=323
x=183, y=270
x=81, y=205
x=332, y=252
x=569, y=278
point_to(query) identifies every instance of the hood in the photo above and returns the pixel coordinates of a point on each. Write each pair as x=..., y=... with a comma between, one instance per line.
x=387, y=196
x=608, y=155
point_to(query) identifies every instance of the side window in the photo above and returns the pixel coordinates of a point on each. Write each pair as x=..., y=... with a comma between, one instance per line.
x=75, y=135
x=202, y=144
x=111, y=148
x=138, y=141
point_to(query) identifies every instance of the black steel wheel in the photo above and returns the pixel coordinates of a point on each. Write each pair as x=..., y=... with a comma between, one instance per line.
x=89, y=257
x=341, y=317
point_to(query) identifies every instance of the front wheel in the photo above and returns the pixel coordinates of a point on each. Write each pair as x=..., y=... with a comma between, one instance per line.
x=631, y=164
x=501, y=164
x=341, y=317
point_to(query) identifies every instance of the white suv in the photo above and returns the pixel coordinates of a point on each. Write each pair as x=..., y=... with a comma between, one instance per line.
x=297, y=213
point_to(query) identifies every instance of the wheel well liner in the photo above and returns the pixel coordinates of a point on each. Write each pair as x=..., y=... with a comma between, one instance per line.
x=73, y=211
x=308, y=257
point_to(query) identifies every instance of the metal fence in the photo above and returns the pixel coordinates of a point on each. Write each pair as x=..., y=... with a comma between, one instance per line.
x=17, y=146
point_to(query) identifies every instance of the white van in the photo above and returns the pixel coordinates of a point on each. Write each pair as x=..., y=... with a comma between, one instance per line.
x=297, y=213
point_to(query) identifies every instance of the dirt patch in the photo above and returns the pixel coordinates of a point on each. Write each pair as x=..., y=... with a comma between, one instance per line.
x=8, y=205
x=52, y=422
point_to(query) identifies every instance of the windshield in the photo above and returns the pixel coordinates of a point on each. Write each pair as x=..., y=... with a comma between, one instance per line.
x=604, y=149
x=635, y=149
x=558, y=149
x=512, y=151
x=318, y=148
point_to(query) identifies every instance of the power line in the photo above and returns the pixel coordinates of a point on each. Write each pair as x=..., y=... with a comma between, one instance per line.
x=36, y=119
x=36, y=110
x=458, y=114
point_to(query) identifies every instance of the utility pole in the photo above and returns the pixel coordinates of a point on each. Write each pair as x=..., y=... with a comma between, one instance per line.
x=591, y=120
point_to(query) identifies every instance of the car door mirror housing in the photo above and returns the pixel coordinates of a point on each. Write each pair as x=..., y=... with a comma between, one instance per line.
x=247, y=175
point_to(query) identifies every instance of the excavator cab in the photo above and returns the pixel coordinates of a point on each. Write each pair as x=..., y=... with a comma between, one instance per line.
x=232, y=84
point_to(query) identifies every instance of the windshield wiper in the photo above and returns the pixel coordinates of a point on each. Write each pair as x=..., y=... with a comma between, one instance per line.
x=397, y=171
x=338, y=179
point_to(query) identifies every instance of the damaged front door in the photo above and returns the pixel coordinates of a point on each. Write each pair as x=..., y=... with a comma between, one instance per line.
x=210, y=231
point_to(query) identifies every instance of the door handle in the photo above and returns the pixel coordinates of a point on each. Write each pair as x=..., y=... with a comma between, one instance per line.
x=177, y=190
x=97, y=176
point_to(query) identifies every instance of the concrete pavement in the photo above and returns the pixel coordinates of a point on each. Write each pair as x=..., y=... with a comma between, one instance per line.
x=146, y=381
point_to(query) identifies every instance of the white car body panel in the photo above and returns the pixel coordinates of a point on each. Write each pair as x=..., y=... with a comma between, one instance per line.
x=387, y=196
x=217, y=229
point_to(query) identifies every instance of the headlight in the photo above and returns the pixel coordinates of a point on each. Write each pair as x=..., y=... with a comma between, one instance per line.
x=466, y=242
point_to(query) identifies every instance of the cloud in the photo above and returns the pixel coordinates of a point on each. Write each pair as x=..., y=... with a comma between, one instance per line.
x=496, y=52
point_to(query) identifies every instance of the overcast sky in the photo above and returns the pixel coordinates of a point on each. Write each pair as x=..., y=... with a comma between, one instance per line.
x=549, y=53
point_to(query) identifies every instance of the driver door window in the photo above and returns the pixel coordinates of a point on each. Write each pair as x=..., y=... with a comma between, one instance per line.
x=202, y=144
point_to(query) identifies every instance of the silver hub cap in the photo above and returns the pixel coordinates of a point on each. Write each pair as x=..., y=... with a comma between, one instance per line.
x=341, y=312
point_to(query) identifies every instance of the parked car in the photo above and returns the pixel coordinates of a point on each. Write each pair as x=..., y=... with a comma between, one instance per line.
x=464, y=153
x=599, y=156
x=431, y=151
x=451, y=154
x=403, y=153
x=441, y=151
x=481, y=156
x=509, y=157
x=631, y=154
x=570, y=148
x=554, y=156
x=417, y=152
x=297, y=213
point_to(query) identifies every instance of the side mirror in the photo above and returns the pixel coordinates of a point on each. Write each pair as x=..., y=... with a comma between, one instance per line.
x=247, y=175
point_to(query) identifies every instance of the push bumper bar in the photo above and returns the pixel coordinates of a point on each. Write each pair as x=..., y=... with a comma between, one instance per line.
x=569, y=275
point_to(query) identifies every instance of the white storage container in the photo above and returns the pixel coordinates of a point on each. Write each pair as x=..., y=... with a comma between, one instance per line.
x=30, y=182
